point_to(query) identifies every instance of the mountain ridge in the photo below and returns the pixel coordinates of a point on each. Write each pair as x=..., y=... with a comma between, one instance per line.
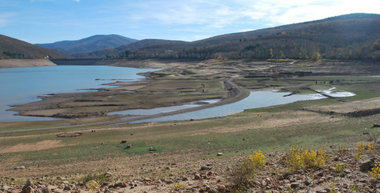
x=88, y=44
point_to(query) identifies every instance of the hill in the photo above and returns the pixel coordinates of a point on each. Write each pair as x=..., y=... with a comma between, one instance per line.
x=11, y=48
x=89, y=44
x=130, y=48
x=353, y=36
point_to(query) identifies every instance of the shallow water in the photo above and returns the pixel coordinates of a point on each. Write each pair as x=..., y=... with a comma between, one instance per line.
x=23, y=85
x=256, y=99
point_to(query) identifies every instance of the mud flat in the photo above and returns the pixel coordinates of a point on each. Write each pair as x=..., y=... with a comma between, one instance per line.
x=12, y=63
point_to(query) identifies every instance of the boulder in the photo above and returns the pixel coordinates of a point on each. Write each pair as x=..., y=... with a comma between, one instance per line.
x=28, y=189
x=19, y=167
x=203, y=168
x=367, y=165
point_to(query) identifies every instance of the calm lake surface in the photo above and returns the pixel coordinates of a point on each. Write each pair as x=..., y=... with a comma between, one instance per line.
x=23, y=85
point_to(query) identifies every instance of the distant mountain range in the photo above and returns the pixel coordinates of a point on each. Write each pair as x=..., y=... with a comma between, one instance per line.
x=13, y=48
x=352, y=36
x=97, y=42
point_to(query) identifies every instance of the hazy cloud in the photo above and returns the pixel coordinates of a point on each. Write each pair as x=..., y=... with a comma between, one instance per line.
x=218, y=13
x=5, y=18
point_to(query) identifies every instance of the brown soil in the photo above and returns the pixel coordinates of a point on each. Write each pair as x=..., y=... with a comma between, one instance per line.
x=26, y=147
x=11, y=63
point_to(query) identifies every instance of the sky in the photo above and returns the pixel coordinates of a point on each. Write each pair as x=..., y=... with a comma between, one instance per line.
x=45, y=21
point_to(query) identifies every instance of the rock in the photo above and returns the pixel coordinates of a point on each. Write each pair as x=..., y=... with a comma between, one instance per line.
x=28, y=184
x=45, y=190
x=169, y=181
x=286, y=175
x=347, y=171
x=152, y=149
x=203, y=168
x=67, y=188
x=219, y=154
x=367, y=165
x=120, y=184
x=308, y=181
x=221, y=188
x=294, y=185
x=4, y=188
x=197, y=176
x=28, y=189
x=263, y=183
x=19, y=167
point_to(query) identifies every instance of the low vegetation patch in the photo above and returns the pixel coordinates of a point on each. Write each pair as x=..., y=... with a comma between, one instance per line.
x=362, y=148
x=243, y=175
x=298, y=158
x=98, y=178
x=375, y=172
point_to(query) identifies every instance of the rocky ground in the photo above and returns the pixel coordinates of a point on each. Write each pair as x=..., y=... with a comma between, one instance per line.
x=344, y=171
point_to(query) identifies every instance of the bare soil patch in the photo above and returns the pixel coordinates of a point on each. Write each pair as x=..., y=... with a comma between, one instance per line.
x=26, y=147
x=10, y=63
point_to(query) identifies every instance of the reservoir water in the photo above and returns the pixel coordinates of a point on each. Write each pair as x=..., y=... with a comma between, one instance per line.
x=256, y=99
x=23, y=85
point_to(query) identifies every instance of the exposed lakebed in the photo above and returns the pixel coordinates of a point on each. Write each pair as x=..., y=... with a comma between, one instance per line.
x=23, y=85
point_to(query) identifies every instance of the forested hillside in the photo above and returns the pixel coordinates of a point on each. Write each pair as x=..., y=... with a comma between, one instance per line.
x=11, y=48
x=354, y=36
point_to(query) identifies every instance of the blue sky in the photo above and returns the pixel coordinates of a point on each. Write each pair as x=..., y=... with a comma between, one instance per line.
x=42, y=21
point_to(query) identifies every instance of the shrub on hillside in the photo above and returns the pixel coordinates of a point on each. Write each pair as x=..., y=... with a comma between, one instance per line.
x=242, y=176
x=298, y=158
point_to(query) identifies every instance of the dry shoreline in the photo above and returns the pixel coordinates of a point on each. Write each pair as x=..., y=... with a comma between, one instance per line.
x=13, y=63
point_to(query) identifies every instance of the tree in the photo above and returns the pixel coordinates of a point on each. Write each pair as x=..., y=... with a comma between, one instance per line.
x=316, y=56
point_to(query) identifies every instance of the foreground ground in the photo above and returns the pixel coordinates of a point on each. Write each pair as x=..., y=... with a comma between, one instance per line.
x=199, y=155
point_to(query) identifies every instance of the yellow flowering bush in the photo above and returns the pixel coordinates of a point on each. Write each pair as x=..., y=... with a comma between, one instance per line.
x=179, y=186
x=92, y=185
x=257, y=160
x=298, y=158
x=375, y=172
x=363, y=147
